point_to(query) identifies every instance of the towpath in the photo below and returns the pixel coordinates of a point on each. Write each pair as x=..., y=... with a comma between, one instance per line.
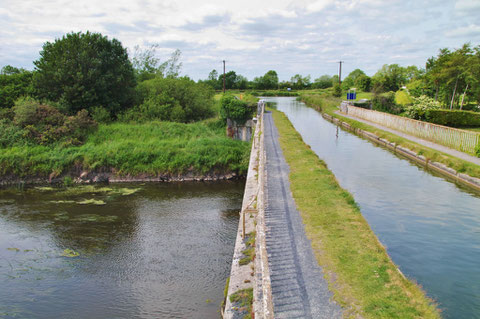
x=299, y=289
x=438, y=147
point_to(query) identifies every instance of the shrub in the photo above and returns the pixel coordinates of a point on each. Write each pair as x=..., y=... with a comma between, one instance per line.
x=402, y=98
x=453, y=118
x=420, y=106
x=44, y=124
x=10, y=134
x=386, y=103
x=235, y=109
x=337, y=90
x=101, y=115
x=172, y=99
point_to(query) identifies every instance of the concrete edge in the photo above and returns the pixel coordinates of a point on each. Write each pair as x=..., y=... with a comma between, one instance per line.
x=444, y=170
x=255, y=274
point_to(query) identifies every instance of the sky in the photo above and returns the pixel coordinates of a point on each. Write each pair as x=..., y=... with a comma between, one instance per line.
x=306, y=37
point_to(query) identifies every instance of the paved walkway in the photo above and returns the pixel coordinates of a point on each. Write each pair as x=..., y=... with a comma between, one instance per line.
x=298, y=287
x=438, y=147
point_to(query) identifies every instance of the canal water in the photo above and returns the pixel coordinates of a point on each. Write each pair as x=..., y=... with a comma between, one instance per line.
x=430, y=226
x=122, y=251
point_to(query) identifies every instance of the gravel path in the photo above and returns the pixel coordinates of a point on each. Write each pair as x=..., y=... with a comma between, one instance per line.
x=438, y=147
x=298, y=287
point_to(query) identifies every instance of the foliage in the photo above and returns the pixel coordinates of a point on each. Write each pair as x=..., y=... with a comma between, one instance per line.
x=300, y=82
x=416, y=88
x=389, y=78
x=101, y=115
x=350, y=80
x=403, y=98
x=14, y=83
x=337, y=90
x=147, y=66
x=235, y=109
x=454, y=118
x=269, y=81
x=363, y=83
x=171, y=99
x=154, y=148
x=386, y=103
x=85, y=70
x=453, y=77
x=323, y=82
x=43, y=124
x=420, y=106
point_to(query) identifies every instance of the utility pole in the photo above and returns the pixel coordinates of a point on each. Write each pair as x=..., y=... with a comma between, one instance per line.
x=223, y=76
x=340, y=73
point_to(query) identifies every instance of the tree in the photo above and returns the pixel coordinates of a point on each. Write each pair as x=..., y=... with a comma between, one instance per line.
x=85, y=70
x=147, y=66
x=363, y=83
x=268, y=81
x=14, y=83
x=299, y=82
x=389, y=78
x=323, y=82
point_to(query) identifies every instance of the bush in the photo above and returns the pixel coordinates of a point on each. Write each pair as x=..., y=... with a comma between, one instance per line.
x=44, y=124
x=453, y=118
x=172, y=99
x=101, y=115
x=386, y=103
x=420, y=106
x=337, y=90
x=14, y=85
x=235, y=109
x=402, y=98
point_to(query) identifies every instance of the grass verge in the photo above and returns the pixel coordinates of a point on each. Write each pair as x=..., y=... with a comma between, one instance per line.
x=328, y=104
x=244, y=298
x=360, y=273
x=151, y=148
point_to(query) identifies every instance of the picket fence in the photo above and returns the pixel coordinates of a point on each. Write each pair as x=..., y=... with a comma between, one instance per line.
x=461, y=140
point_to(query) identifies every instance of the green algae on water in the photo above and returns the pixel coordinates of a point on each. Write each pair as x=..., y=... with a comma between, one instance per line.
x=95, y=218
x=91, y=202
x=13, y=249
x=70, y=253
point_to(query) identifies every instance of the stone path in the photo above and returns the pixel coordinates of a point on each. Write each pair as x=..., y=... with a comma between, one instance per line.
x=298, y=287
x=438, y=147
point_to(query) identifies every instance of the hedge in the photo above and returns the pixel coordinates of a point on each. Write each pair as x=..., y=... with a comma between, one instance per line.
x=454, y=118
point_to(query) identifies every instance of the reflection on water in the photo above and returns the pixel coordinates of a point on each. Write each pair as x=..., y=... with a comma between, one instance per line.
x=162, y=251
x=430, y=226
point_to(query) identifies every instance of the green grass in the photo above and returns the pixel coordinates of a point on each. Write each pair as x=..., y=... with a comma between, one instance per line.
x=244, y=298
x=360, y=273
x=329, y=104
x=151, y=148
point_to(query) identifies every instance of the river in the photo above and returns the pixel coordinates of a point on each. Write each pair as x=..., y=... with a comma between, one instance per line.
x=122, y=251
x=430, y=226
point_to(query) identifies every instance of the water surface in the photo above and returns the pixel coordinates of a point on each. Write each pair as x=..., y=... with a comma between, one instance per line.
x=430, y=226
x=161, y=252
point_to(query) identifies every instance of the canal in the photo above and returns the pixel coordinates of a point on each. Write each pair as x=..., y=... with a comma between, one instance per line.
x=429, y=225
x=122, y=251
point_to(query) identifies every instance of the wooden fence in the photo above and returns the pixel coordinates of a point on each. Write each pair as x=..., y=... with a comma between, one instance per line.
x=461, y=140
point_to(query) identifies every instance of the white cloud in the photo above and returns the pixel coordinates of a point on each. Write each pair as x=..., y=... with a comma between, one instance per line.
x=302, y=36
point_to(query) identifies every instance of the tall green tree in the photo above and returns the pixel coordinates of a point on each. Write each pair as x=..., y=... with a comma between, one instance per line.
x=83, y=71
x=14, y=83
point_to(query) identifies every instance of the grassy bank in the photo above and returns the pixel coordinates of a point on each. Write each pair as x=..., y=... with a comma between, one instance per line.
x=329, y=105
x=359, y=271
x=152, y=148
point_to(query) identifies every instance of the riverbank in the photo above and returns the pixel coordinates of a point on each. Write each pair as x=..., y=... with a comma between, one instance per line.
x=154, y=151
x=329, y=106
x=360, y=273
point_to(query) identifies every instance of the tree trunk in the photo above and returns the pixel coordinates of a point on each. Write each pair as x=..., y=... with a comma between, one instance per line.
x=463, y=97
x=436, y=93
x=454, y=93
